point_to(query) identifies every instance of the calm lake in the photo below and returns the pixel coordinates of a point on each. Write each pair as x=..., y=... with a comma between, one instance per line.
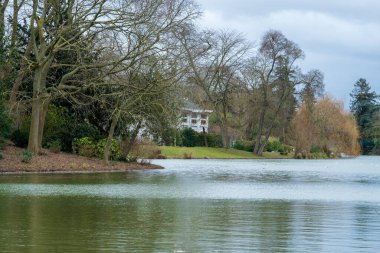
x=198, y=206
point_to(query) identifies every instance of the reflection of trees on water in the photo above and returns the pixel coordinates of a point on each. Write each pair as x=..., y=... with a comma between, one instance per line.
x=89, y=224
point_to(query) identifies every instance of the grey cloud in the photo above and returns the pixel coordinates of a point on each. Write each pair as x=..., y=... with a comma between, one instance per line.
x=339, y=37
x=353, y=9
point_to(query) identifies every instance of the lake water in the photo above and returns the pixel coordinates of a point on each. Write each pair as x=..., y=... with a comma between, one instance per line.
x=198, y=206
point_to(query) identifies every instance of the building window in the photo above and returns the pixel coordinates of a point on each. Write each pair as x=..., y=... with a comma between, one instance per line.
x=193, y=121
x=194, y=115
x=184, y=120
x=203, y=122
x=204, y=116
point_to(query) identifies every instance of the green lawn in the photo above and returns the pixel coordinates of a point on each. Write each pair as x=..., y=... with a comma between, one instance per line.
x=218, y=153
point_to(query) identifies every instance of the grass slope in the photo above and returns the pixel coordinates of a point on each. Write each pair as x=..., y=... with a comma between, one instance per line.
x=217, y=153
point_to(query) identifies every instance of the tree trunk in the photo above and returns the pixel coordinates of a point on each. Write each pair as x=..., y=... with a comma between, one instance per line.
x=259, y=131
x=37, y=119
x=263, y=144
x=132, y=139
x=107, y=148
x=205, y=137
x=33, y=145
x=15, y=20
x=3, y=7
x=225, y=139
x=3, y=66
x=248, y=130
x=41, y=126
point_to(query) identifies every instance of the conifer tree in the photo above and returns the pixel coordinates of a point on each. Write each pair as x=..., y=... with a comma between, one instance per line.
x=364, y=106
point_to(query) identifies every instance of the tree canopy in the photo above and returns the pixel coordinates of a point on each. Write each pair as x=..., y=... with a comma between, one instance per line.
x=365, y=106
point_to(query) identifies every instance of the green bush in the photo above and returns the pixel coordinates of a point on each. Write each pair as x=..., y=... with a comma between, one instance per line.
x=115, y=149
x=367, y=145
x=64, y=126
x=317, y=155
x=77, y=131
x=274, y=145
x=26, y=156
x=283, y=151
x=84, y=146
x=191, y=138
x=213, y=140
x=1, y=156
x=377, y=146
x=244, y=145
x=55, y=146
x=315, y=149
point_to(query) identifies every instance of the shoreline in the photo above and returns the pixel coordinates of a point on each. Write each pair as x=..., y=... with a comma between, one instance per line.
x=63, y=172
x=62, y=163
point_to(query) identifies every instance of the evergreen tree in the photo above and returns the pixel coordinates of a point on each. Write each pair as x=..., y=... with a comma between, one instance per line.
x=364, y=106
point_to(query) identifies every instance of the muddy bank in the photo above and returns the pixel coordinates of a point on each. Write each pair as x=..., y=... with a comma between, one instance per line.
x=62, y=163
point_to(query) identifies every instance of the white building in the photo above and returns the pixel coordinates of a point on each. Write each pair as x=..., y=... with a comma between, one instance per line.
x=194, y=117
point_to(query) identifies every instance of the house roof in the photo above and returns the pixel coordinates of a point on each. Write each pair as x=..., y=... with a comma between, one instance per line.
x=188, y=105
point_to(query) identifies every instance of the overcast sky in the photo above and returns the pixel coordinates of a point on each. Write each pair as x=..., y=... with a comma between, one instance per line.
x=339, y=37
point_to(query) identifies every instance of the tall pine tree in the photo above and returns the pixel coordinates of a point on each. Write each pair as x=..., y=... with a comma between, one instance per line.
x=364, y=106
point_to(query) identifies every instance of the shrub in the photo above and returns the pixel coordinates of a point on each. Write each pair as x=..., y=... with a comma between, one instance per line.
x=283, y=151
x=244, y=145
x=317, y=155
x=20, y=138
x=187, y=155
x=145, y=151
x=190, y=138
x=273, y=145
x=84, y=146
x=115, y=149
x=63, y=125
x=55, y=146
x=214, y=140
x=26, y=156
x=1, y=156
x=315, y=149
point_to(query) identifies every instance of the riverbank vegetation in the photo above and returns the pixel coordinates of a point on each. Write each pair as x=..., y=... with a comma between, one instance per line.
x=96, y=78
x=325, y=128
x=365, y=106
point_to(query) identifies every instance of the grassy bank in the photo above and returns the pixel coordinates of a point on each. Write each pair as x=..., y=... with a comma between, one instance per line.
x=215, y=153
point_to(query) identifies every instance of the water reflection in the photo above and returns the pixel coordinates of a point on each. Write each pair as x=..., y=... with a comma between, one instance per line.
x=191, y=209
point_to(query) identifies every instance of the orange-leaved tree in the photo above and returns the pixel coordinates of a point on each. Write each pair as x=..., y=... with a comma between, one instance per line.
x=327, y=126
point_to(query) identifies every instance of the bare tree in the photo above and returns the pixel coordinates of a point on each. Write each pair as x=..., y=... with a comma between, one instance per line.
x=84, y=28
x=272, y=77
x=214, y=59
x=313, y=88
